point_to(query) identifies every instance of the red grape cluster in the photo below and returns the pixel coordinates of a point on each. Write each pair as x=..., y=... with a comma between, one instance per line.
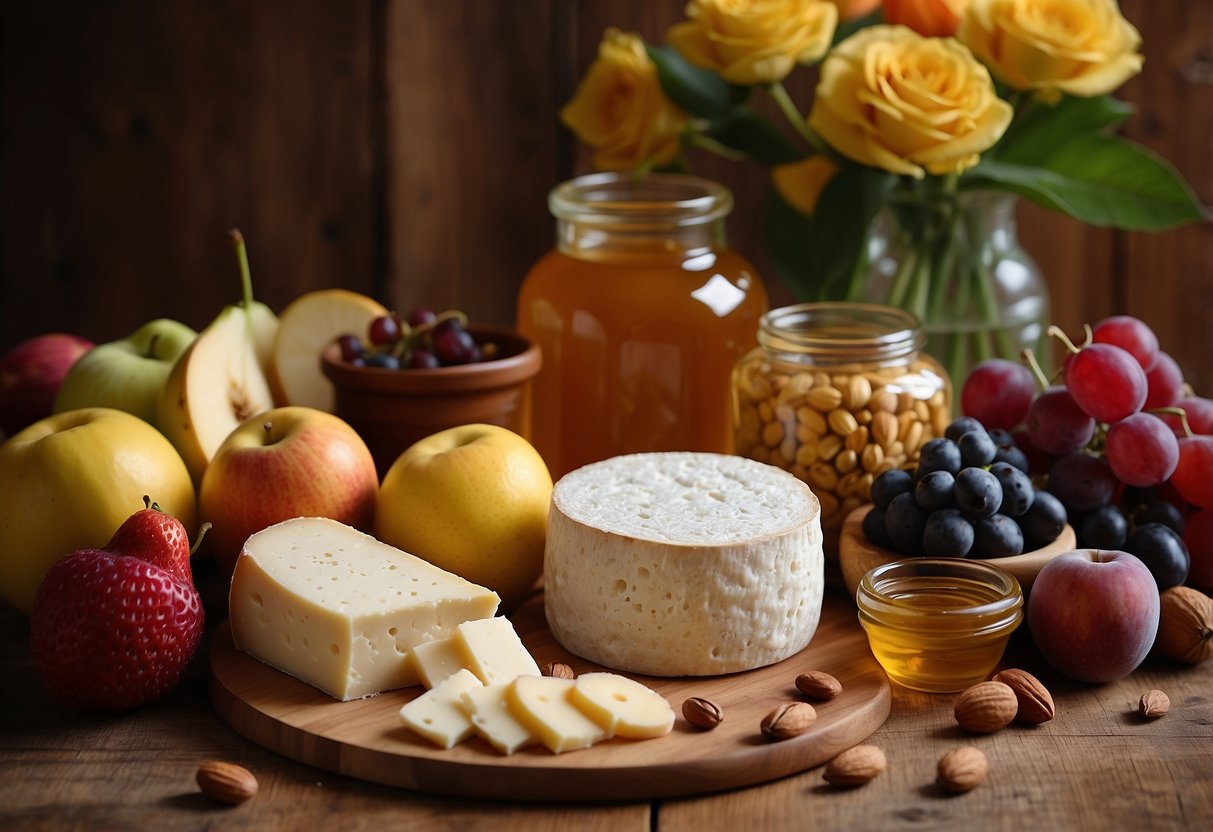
x=424, y=340
x=1121, y=442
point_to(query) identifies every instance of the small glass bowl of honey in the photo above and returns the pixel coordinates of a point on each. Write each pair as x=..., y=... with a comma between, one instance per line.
x=939, y=624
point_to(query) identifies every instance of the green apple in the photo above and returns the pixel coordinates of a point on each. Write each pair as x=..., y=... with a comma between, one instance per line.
x=129, y=374
x=218, y=382
x=290, y=462
x=473, y=500
x=69, y=481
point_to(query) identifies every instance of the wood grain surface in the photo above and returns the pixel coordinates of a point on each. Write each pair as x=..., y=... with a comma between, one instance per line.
x=365, y=739
x=856, y=555
x=1096, y=767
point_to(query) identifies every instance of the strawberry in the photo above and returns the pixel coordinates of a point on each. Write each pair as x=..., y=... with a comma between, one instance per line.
x=156, y=537
x=110, y=632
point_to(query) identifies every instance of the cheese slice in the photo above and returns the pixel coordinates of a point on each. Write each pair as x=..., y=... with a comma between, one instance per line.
x=438, y=714
x=436, y=661
x=623, y=706
x=544, y=705
x=489, y=709
x=341, y=610
x=493, y=651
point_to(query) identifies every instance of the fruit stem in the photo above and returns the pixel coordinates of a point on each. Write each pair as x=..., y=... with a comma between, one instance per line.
x=206, y=527
x=1055, y=331
x=1029, y=358
x=246, y=276
x=1175, y=411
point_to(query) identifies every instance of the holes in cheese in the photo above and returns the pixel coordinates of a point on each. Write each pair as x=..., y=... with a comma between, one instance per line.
x=623, y=706
x=438, y=714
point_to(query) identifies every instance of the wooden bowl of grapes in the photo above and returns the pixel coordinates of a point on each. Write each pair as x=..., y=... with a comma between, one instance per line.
x=857, y=554
x=393, y=406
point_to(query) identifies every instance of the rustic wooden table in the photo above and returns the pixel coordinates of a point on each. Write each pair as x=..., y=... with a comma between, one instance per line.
x=1098, y=765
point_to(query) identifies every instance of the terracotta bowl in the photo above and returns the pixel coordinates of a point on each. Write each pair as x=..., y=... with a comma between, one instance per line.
x=392, y=409
x=856, y=555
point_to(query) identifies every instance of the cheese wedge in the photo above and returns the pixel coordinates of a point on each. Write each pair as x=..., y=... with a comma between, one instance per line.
x=493, y=651
x=438, y=714
x=623, y=707
x=436, y=661
x=544, y=705
x=489, y=709
x=341, y=610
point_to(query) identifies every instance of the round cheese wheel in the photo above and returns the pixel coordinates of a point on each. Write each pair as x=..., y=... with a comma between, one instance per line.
x=683, y=564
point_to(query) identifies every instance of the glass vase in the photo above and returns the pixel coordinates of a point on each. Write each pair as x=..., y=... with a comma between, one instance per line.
x=956, y=263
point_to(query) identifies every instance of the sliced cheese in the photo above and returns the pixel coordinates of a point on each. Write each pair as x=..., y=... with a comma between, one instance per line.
x=544, y=705
x=439, y=715
x=493, y=651
x=341, y=610
x=436, y=661
x=683, y=564
x=623, y=707
x=489, y=709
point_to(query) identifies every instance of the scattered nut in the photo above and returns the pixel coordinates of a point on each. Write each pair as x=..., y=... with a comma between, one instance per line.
x=558, y=670
x=790, y=719
x=962, y=769
x=1153, y=704
x=226, y=782
x=986, y=707
x=856, y=766
x=702, y=713
x=1035, y=701
x=818, y=685
x=1185, y=625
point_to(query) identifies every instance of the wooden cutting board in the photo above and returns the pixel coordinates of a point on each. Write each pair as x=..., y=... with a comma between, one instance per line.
x=365, y=739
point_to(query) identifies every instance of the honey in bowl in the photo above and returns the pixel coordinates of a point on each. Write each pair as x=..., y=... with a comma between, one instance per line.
x=938, y=625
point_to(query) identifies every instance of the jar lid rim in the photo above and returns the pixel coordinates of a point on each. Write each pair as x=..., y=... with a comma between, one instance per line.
x=619, y=197
x=830, y=327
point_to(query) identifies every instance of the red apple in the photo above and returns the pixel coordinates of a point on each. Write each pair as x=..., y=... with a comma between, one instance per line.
x=1094, y=613
x=288, y=462
x=30, y=375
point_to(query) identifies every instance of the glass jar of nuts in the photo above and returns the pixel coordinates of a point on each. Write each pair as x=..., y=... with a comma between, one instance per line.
x=838, y=393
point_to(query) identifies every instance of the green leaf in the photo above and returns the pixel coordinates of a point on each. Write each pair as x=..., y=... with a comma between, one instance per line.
x=816, y=256
x=1100, y=180
x=758, y=138
x=1033, y=136
x=699, y=91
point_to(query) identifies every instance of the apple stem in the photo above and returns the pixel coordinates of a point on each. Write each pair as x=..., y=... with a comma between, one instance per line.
x=206, y=527
x=246, y=276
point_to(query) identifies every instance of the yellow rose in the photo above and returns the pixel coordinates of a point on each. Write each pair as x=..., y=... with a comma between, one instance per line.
x=620, y=110
x=754, y=41
x=892, y=99
x=1082, y=47
x=801, y=183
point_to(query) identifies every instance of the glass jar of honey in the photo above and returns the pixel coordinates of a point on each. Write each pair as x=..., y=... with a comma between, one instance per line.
x=837, y=394
x=641, y=311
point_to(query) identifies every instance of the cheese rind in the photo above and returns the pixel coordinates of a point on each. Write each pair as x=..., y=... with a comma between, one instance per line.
x=544, y=705
x=493, y=651
x=489, y=709
x=623, y=706
x=683, y=564
x=439, y=715
x=341, y=610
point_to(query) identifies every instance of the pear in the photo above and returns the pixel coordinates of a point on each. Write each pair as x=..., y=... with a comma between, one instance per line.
x=218, y=382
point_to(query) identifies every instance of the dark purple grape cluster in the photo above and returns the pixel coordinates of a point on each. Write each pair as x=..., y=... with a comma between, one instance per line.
x=969, y=496
x=422, y=341
x=1119, y=439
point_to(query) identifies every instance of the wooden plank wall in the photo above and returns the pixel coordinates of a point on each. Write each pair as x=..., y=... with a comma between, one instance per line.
x=404, y=148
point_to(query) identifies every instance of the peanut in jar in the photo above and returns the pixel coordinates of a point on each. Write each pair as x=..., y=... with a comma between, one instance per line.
x=837, y=394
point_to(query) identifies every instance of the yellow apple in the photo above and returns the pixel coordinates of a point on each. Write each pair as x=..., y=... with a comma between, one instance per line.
x=472, y=500
x=289, y=462
x=68, y=482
